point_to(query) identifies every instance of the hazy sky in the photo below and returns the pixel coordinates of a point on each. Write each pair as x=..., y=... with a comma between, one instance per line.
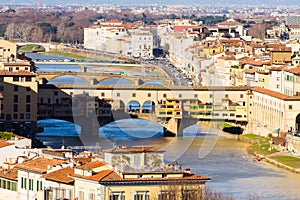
x=122, y=2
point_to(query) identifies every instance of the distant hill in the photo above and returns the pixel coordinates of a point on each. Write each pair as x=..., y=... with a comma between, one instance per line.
x=139, y=2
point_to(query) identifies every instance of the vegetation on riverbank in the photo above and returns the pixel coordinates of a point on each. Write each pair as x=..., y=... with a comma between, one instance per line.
x=288, y=160
x=6, y=135
x=259, y=144
x=70, y=55
x=32, y=48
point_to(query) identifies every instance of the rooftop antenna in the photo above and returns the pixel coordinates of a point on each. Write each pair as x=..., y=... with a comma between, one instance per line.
x=38, y=4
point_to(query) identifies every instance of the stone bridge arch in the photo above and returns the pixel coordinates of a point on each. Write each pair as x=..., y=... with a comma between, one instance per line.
x=120, y=79
x=46, y=46
x=45, y=78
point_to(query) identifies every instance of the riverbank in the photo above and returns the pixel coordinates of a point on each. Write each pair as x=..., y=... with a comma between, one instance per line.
x=271, y=152
x=261, y=148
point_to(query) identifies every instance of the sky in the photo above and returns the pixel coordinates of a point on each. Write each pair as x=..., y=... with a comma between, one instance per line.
x=137, y=2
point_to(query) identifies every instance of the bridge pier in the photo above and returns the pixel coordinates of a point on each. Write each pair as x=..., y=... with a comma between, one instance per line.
x=175, y=126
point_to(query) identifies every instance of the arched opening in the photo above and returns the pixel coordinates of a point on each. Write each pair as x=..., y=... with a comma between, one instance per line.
x=148, y=107
x=297, y=127
x=68, y=80
x=133, y=106
x=131, y=130
x=57, y=133
x=154, y=83
x=115, y=81
x=118, y=105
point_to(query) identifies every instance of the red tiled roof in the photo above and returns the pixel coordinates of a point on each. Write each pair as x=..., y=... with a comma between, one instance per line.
x=4, y=144
x=10, y=174
x=261, y=72
x=16, y=64
x=186, y=177
x=16, y=73
x=275, y=94
x=61, y=175
x=295, y=70
x=107, y=175
x=249, y=71
x=92, y=165
x=40, y=165
x=133, y=150
x=230, y=22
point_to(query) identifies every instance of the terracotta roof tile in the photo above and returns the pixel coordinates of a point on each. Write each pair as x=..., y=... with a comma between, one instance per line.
x=3, y=143
x=230, y=22
x=275, y=94
x=61, y=175
x=133, y=150
x=103, y=175
x=40, y=165
x=10, y=174
x=92, y=165
x=16, y=73
x=295, y=70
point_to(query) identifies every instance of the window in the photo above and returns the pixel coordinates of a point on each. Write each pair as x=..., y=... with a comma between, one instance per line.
x=80, y=195
x=15, y=116
x=133, y=94
x=241, y=96
x=117, y=196
x=141, y=195
x=164, y=95
x=15, y=79
x=30, y=184
x=1, y=88
x=226, y=95
x=23, y=183
x=92, y=196
x=189, y=195
x=27, y=116
x=39, y=185
x=27, y=98
x=28, y=89
x=55, y=93
x=180, y=95
x=28, y=108
x=22, y=116
x=16, y=98
x=118, y=94
x=195, y=95
x=1, y=79
x=15, y=107
x=28, y=79
x=149, y=94
x=210, y=96
x=290, y=107
x=166, y=195
x=102, y=94
x=16, y=88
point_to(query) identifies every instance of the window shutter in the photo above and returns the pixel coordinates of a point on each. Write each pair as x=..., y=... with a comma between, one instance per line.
x=135, y=197
x=122, y=197
x=146, y=197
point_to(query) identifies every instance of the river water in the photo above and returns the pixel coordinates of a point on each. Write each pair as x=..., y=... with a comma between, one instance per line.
x=201, y=149
x=204, y=151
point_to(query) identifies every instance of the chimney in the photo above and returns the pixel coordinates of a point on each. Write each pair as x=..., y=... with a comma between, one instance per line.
x=187, y=170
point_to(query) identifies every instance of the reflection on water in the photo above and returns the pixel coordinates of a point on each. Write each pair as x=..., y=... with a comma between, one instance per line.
x=231, y=174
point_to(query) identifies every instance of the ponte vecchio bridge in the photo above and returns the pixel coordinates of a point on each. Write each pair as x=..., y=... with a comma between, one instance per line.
x=175, y=108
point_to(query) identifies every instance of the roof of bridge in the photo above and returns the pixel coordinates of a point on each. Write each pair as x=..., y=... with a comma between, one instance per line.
x=146, y=87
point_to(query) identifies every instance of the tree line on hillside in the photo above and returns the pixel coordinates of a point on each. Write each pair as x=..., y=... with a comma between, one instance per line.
x=67, y=26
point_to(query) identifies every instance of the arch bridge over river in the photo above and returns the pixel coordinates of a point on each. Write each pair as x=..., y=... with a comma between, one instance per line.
x=175, y=108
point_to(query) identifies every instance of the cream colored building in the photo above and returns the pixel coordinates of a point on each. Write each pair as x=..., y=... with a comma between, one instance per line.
x=90, y=183
x=30, y=181
x=136, y=158
x=18, y=88
x=7, y=49
x=273, y=110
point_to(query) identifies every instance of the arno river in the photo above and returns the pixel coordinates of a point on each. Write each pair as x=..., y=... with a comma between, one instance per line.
x=223, y=159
